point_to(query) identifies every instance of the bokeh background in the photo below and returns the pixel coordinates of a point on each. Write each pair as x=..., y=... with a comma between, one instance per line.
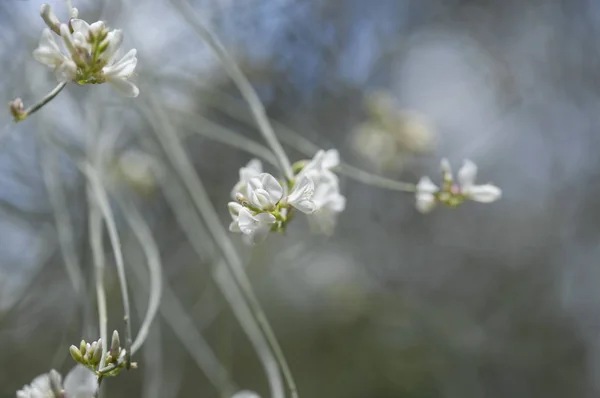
x=482, y=301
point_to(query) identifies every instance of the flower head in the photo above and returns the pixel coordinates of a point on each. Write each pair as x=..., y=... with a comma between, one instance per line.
x=88, y=53
x=452, y=194
x=263, y=204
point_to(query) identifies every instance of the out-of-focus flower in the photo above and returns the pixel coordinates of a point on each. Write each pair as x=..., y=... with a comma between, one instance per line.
x=79, y=383
x=90, y=56
x=327, y=199
x=391, y=135
x=451, y=194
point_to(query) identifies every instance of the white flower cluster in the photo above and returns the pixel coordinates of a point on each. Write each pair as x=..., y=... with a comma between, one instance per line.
x=90, y=56
x=79, y=383
x=451, y=194
x=262, y=204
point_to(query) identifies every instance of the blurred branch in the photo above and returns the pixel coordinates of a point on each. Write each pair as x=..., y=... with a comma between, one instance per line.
x=256, y=106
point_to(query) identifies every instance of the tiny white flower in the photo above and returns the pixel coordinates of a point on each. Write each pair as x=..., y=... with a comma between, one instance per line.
x=485, y=193
x=79, y=383
x=328, y=201
x=425, y=195
x=255, y=226
x=252, y=169
x=89, y=60
x=264, y=191
x=452, y=194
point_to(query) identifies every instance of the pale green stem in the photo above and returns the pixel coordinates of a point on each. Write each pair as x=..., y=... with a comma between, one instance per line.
x=242, y=83
x=144, y=235
x=176, y=154
x=101, y=198
x=171, y=309
x=34, y=108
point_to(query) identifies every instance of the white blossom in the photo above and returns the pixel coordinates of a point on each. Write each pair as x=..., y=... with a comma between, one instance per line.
x=327, y=199
x=264, y=192
x=451, y=194
x=90, y=55
x=302, y=195
x=255, y=226
x=485, y=193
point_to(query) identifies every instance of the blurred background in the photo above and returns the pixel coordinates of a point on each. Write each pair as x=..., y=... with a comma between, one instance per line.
x=496, y=300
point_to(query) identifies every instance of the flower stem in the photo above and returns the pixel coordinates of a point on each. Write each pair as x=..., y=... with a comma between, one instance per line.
x=34, y=108
x=242, y=83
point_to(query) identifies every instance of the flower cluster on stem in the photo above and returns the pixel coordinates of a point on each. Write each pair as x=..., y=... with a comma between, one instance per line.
x=84, y=54
x=452, y=194
x=264, y=204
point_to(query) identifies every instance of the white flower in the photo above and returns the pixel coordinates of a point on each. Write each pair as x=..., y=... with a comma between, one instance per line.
x=264, y=192
x=252, y=169
x=428, y=194
x=425, y=195
x=79, y=383
x=91, y=55
x=302, y=195
x=328, y=201
x=485, y=193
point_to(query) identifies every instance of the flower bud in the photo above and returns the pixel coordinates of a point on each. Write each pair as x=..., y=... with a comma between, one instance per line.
x=82, y=347
x=115, y=345
x=50, y=18
x=76, y=354
x=17, y=109
x=97, y=353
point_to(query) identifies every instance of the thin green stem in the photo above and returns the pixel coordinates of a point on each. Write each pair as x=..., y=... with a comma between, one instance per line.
x=34, y=108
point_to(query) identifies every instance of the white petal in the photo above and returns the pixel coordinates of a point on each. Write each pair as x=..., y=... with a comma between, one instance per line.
x=272, y=186
x=252, y=169
x=234, y=226
x=301, y=195
x=114, y=39
x=234, y=209
x=467, y=174
x=445, y=166
x=47, y=51
x=81, y=383
x=122, y=68
x=79, y=25
x=125, y=87
x=486, y=193
x=425, y=202
x=425, y=185
x=67, y=71
x=256, y=227
x=331, y=159
x=68, y=40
